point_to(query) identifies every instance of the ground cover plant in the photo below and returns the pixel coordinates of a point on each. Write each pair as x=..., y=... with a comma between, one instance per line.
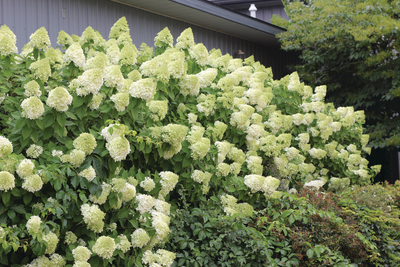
x=102, y=145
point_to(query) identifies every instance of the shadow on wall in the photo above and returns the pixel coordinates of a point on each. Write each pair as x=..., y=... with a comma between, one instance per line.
x=389, y=159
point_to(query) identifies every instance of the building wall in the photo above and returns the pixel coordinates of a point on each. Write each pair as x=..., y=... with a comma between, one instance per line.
x=24, y=17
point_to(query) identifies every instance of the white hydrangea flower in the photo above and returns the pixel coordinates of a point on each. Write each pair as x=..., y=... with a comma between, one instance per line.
x=96, y=101
x=59, y=99
x=32, y=183
x=6, y=147
x=317, y=153
x=119, y=148
x=89, y=82
x=315, y=183
x=32, y=88
x=206, y=77
x=81, y=253
x=85, y=142
x=124, y=245
x=158, y=109
x=57, y=260
x=32, y=108
x=93, y=217
x=104, y=247
x=160, y=222
x=33, y=224
x=121, y=101
x=139, y=238
x=200, y=53
x=105, y=191
x=144, y=89
x=113, y=77
x=7, y=181
x=146, y=202
x=88, y=173
x=34, y=151
x=168, y=182
x=7, y=44
x=147, y=184
x=57, y=153
x=74, y=54
x=52, y=241
x=25, y=168
x=128, y=192
x=76, y=157
x=40, y=39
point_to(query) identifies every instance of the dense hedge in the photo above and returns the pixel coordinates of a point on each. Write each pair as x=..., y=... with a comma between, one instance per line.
x=101, y=141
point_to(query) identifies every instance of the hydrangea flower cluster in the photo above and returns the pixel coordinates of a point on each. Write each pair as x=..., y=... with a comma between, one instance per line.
x=147, y=184
x=231, y=206
x=34, y=151
x=198, y=144
x=93, y=217
x=32, y=88
x=104, y=247
x=41, y=69
x=7, y=181
x=7, y=41
x=59, y=99
x=139, y=238
x=6, y=147
x=117, y=145
x=32, y=108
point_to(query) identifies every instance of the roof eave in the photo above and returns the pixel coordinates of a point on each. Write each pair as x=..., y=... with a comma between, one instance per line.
x=212, y=16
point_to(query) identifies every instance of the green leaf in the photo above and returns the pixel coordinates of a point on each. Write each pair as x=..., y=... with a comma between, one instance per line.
x=20, y=123
x=48, y=133
x=16, y=192
x=291, y=219
x=26, y=132
x=310, y=253
x=40, y=124
x=75, y=181
x=61, y=119
x=6, y=197
x=123, y=213
x=7, y=73
x=78, y=101
x=11, y=214
x=48, y=120
x=286, y=213
x=186, y=162
x=59, y=129
x=27, y=198
x=35, y=135
x=20, y=209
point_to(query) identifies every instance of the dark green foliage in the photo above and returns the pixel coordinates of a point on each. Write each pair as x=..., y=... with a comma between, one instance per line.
x=205, y=236
x=352, y=47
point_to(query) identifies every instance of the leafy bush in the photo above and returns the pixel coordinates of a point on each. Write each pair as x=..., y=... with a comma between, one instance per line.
x=95, y=139
x=205, y=236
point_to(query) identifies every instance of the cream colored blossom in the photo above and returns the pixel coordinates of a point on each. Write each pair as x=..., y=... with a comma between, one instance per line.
x=32, y=183
x=6, y=147
x=32, y=88
x=59, y=99
x=7, y=181
x=139, y=238
x=74, y=54
x=40, y=39
x=41, y=69
x=104, y=247
x=34, y=151
x=93, y=217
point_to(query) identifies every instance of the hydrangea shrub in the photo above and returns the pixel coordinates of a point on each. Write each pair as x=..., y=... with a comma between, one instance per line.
x=97, y=135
